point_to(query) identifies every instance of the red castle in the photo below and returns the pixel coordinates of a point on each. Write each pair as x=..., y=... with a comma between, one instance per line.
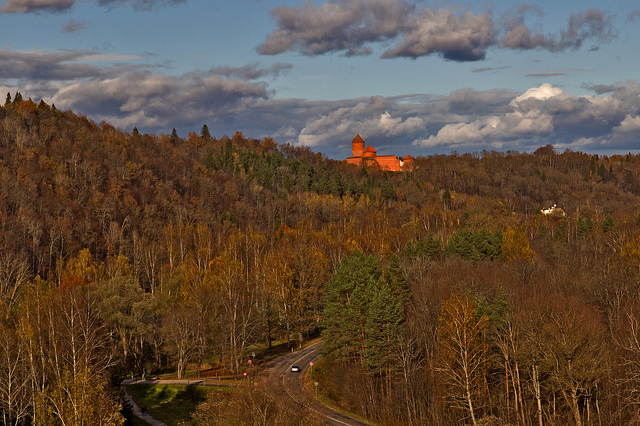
x=369, y=158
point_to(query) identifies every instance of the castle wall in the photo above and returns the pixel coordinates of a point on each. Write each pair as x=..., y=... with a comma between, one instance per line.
x=389, y=162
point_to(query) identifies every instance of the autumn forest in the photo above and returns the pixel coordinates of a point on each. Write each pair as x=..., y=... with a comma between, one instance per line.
x=443, y=295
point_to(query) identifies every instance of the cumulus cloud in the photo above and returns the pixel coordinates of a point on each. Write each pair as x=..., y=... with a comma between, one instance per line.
x=140, y=4
x=545, y=114
x=251, y=71
x=464, y=120
x=545, y=91
x=347, y=25
x=128, y=94
x=234, y=98
x=353, y=26
x=27, y=6
x=35, y=65
x=59, y=6
x=61, y=65
x=593, y=24
x=148, y=100
x=629, y=124
x=376, y=118
x=459, y=38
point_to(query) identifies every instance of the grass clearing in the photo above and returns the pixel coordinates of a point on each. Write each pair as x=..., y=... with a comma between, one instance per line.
x=171, y=404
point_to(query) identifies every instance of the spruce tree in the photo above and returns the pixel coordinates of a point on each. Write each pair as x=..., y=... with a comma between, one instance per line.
x=205, y=136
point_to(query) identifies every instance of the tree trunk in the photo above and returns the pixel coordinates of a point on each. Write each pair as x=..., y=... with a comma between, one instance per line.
x=536, y=388
x=575, y=407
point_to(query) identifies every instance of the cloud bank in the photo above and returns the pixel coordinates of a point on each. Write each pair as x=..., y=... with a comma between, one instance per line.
x=239, y=98
x=353, y=26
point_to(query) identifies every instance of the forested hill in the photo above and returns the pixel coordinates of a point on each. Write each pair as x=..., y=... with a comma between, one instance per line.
x=121, y=251
x=69, y=184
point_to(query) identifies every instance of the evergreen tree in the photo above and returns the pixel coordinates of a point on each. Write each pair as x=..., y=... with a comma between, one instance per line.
x=387, y=190
x=8, y=100
x=364, y=313
x=427, y=247
x=607, y=223
x=346, y=305
x=475, y=245
x=584, y=225
x=592, y=166
x=210, y=161
x=446, y=198
x=601, y=171
x=205, y=136
x=384, y=324
x=397, y=282
x=174, y=136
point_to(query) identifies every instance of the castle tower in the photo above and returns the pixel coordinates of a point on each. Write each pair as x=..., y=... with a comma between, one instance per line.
x=357, y=146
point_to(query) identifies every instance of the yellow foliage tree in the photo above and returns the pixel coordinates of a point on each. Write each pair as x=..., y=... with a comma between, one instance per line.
x=462, y=352
x=630, y=252
x=515, y=246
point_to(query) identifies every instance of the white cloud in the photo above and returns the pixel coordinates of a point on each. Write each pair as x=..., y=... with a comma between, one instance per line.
x=407, y=30
x=370, y=119
x=629, y=124
x=544, y=92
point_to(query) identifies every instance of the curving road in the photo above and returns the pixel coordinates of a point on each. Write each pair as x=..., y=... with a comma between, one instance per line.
x=288, y=385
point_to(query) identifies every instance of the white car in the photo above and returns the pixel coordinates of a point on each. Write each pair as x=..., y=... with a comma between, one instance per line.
x=295, y=369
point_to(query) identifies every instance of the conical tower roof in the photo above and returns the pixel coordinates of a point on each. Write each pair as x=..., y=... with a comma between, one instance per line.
x=358, y=139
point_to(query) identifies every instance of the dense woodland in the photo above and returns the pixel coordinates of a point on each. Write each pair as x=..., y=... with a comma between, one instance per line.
x=445, y=297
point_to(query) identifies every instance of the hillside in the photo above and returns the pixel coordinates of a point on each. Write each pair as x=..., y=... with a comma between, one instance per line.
x=125, y=251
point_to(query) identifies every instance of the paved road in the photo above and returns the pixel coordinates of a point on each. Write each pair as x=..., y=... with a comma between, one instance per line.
x=283, y=384
x=288, y=385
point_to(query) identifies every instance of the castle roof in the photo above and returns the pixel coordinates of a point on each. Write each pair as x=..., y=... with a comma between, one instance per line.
x=370, y=149
x=358, y=139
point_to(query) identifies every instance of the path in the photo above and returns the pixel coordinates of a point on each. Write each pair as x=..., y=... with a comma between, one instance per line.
x=138, y=412
x=149, y=418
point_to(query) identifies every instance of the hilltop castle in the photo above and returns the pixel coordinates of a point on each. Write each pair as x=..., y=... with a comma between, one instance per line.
x=368, y=157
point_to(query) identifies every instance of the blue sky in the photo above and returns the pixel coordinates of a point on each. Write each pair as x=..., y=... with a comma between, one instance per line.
x=412, y=77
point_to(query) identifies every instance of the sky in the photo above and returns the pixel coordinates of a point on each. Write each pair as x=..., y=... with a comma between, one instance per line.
x=411, y=77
